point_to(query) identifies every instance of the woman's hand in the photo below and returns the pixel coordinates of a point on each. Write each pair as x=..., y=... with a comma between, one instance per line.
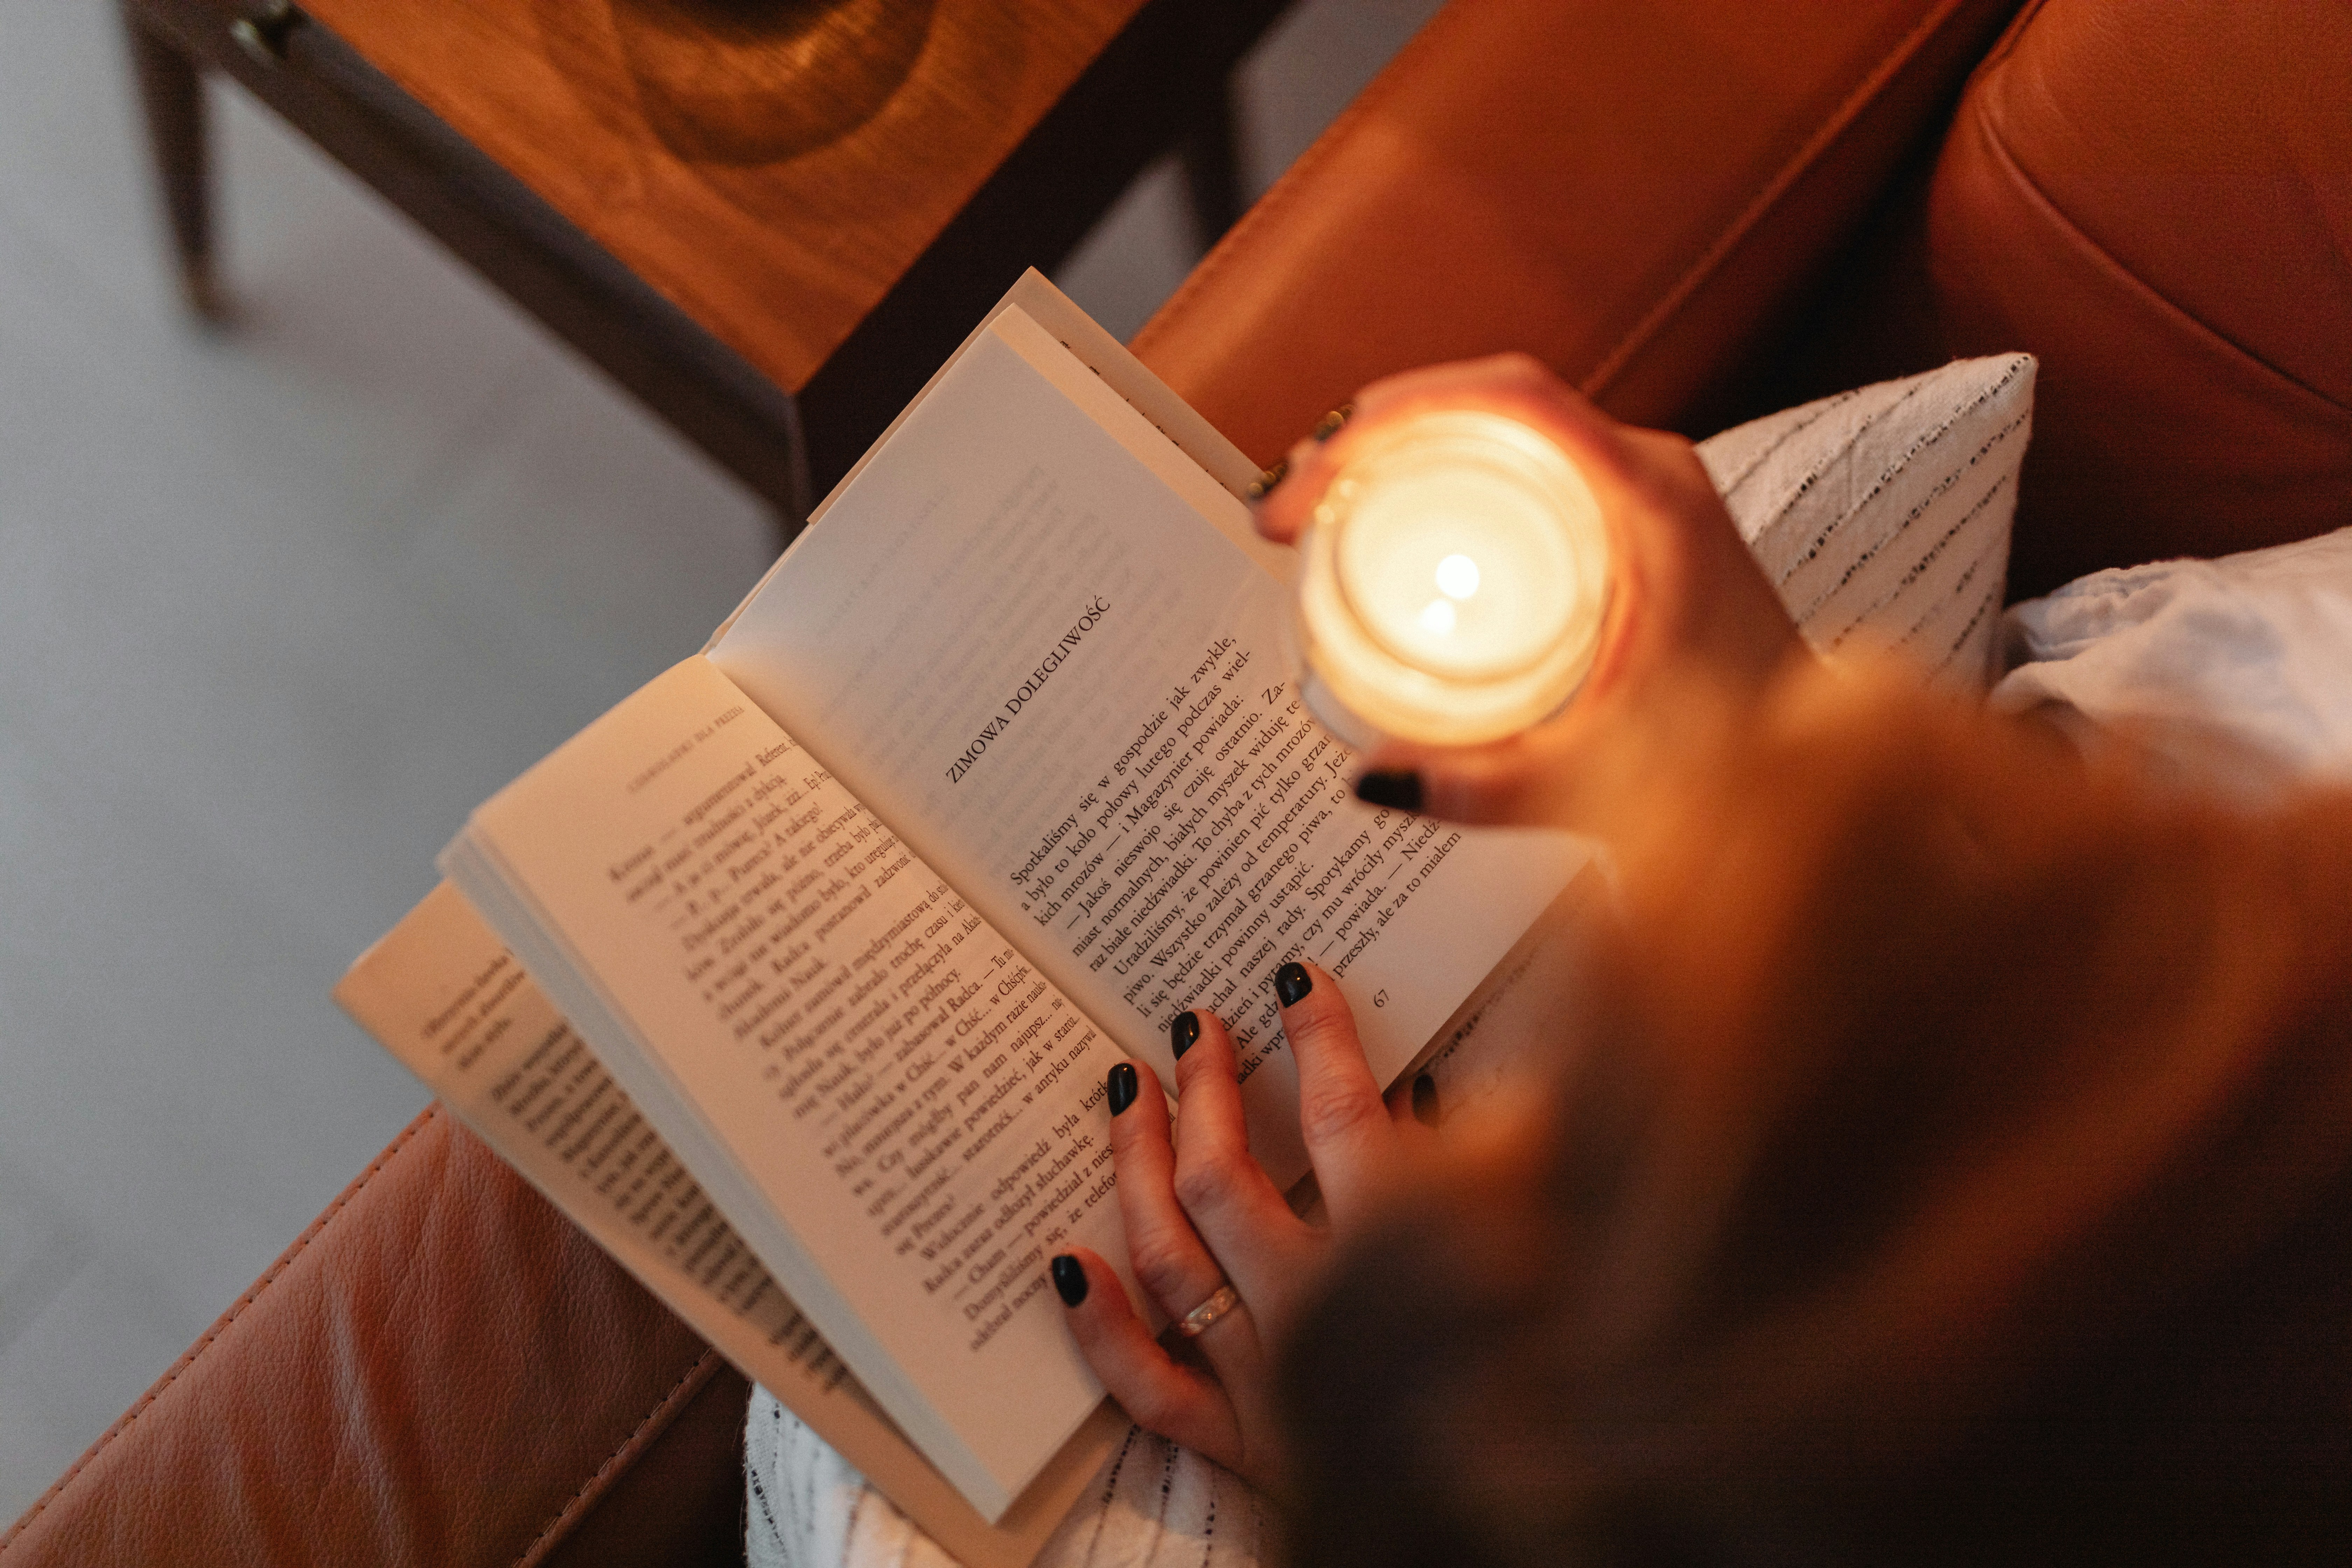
x=1202, y=1214
x=1691, y=615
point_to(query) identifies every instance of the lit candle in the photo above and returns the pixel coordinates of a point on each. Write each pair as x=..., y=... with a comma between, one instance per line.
x=1456, y=575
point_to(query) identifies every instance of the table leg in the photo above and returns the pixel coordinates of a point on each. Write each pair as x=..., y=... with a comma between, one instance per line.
x=482, y=214
x=171, y=95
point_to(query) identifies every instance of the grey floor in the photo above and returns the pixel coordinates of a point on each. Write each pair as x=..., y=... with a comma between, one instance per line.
x=278, y=605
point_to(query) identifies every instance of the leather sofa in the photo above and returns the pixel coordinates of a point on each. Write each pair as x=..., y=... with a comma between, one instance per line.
x=1696, y=210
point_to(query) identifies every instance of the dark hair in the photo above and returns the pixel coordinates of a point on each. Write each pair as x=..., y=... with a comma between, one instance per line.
x=1955, y=1165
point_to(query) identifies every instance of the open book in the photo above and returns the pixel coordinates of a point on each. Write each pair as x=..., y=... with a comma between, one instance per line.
x=998, y=769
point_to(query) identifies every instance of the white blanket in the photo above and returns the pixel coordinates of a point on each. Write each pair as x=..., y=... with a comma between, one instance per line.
x=2237, y=672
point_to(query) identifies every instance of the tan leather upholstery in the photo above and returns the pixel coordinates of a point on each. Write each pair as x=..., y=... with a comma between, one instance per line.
x=441, y=1370
x=2157, y=199
x=2150, y=195
x=1631, y=193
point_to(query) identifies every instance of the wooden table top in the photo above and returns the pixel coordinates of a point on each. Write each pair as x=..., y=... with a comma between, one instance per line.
x=772, y=166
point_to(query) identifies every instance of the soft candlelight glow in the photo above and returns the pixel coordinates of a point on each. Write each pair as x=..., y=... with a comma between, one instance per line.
x=1456, y=577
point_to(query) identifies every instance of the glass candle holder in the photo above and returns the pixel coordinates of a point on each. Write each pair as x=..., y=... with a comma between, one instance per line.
x=1454, y=578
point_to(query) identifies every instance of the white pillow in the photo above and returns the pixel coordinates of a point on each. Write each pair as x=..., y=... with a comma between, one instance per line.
x=2207, y=660
x=1883, y=515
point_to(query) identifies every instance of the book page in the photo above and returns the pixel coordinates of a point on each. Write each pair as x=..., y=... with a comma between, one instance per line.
x=1202, y=444
x=444, y=996
x=894, y=1107
x=1021, y=634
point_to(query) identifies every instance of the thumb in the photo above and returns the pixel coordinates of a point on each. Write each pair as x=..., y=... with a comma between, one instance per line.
x=1525, y=781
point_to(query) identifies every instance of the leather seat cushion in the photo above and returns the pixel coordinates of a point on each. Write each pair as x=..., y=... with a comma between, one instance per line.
x=442, y=1369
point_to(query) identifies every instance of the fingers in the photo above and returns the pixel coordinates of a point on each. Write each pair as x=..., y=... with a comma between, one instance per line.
x=1179, y=1401
x=1526, y=780
x=1412, y=1106
x=1170, y=1262
x=1513, y=385
x=1200, y=1213
x=1349, y=1134
x=1221, y=1187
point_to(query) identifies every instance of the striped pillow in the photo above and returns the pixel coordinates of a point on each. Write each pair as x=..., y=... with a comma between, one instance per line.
x=1882, y=515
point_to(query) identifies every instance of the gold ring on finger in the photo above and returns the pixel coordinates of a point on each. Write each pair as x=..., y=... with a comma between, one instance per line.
x=1223, y=1299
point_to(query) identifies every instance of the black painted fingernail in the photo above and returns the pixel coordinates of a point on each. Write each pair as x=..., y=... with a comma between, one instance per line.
x=1424, y=1100
x=1292, y=983
x=1070, y=1279
x=1399, y=790
x=1121, y=1085
x=1266, y=481
x=1183, y=1032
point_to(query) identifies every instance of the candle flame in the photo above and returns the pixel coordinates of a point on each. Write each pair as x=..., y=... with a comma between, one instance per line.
x=1457, y=578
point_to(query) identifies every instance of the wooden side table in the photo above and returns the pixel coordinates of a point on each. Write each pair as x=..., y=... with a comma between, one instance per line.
x=770, y=219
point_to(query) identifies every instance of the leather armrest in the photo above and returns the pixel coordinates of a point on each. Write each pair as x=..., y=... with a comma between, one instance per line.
x=441, y=1370
x=1633, y=194
x=2157, y=201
